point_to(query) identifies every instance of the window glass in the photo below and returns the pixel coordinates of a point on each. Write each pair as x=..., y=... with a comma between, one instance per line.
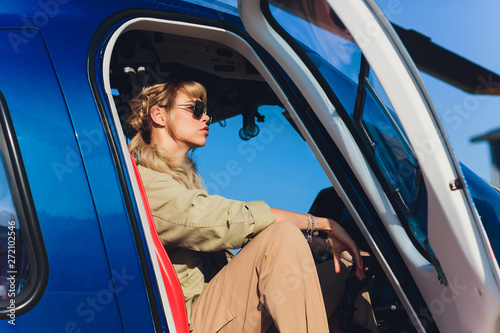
x=23, y=264
x=394, y=156
x=375, y=84
x=330, y=48
x=13, y=263
x=487, y=202
x=326, y=41
x=390, y=150
x=316, y=26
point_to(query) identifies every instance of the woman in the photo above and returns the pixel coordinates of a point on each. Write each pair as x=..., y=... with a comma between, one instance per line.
x=273, y=278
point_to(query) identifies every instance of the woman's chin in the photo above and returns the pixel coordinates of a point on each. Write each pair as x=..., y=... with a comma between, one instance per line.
x=199, y=144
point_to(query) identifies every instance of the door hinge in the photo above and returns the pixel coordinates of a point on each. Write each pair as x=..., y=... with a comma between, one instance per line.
x=435, y=263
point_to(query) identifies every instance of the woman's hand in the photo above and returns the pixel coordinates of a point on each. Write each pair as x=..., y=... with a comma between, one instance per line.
x=347, y=257
x=340, y=241
x=338, y=238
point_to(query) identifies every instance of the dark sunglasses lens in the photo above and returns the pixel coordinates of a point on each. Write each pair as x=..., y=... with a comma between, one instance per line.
x=198, y=109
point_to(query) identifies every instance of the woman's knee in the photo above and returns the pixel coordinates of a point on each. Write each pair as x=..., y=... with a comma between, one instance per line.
x=286, y=239
x=286, y=231
x=282, y=241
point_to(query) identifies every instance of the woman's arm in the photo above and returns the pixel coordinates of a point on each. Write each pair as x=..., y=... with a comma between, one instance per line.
x=195, y=220
x=339, y=239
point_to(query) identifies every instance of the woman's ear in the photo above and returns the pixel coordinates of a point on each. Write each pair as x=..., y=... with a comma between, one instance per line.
x=158, y=115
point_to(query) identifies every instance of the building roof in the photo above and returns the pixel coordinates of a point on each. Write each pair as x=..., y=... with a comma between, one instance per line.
x=490, y=136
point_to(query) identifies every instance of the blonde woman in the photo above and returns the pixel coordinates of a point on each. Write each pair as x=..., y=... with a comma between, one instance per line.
x=273, y=279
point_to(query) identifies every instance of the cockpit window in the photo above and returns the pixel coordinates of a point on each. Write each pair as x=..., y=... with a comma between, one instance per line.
x=333, y=55
x=22, y=256
x=317, y=27
x=392, y=153
x=13, y=261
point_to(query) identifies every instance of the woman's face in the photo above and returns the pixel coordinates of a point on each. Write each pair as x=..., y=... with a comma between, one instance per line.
x=191, y=132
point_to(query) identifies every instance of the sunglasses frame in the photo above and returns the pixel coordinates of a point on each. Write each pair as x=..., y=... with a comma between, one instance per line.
x=198, y=109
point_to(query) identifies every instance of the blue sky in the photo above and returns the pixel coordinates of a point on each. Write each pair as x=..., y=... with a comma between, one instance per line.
x=276, y=166
x=470, y=29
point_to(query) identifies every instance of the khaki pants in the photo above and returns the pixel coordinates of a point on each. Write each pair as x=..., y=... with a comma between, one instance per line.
x=274, y=279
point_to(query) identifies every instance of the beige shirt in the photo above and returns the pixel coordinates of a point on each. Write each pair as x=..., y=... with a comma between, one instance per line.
x=197, y=228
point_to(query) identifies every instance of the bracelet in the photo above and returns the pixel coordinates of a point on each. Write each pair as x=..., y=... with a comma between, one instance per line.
x=311, y=225
x=316, y=231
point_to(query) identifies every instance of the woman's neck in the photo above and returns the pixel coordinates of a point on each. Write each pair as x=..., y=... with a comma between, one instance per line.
x=174, y=148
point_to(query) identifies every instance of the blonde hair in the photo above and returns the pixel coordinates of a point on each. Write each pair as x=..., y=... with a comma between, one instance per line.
x=154, y=157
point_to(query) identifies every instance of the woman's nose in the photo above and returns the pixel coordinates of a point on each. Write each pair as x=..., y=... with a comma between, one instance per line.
x=206, y=118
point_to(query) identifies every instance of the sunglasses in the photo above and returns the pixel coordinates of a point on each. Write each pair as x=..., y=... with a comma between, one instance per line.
x=198, y=109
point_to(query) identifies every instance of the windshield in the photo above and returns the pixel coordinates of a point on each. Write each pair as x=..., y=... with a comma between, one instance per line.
x=487, y=202
x=333, y=55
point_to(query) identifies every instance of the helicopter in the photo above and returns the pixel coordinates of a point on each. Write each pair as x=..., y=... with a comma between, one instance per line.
x=334, y=92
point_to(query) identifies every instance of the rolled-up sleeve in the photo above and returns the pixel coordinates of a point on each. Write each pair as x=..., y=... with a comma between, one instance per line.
x=196, y=220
